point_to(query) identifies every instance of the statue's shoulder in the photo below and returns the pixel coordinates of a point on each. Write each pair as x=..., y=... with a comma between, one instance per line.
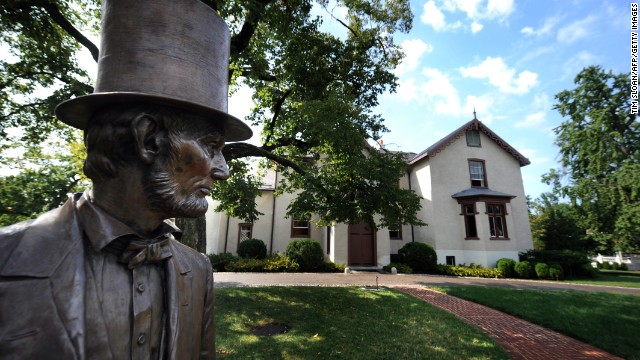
x=39, y=244
x=189, y=257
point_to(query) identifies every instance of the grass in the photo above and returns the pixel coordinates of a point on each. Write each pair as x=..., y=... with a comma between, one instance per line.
x=612, y=278
x=342, y=323
x=607, y=321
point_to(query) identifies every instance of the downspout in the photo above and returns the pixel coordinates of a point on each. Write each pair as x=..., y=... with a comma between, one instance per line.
x=409, y=178
x=273, y=213
x=226, y=234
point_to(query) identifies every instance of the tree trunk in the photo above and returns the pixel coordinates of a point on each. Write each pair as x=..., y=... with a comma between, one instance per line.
x=194, y=232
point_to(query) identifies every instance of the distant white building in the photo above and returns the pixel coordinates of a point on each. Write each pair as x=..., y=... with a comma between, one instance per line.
x=472, y=198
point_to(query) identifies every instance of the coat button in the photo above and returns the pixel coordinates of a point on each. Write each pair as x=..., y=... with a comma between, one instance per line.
x=141, y=287
x=141, y=339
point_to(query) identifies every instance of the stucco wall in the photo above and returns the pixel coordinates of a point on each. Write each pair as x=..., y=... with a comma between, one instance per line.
x=449, y=172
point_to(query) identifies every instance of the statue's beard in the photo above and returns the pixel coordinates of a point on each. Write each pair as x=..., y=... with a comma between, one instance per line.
x=167, y=196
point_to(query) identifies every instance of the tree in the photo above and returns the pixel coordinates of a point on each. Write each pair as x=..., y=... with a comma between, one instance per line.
x=313, y=93
x=556, y=226
x=600, y=156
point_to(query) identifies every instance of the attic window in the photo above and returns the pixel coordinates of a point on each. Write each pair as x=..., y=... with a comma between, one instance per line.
x=473, y=138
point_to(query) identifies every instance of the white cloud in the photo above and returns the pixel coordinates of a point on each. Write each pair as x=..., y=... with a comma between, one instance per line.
x=475, y=10
x=501, y=76
x=413, y=50
x=542, y=101
x=439, y=87
x=527, y=30
x=577, y=30
x=433, y=16
x=573, y=65
x=476, y=27
x=482, y=105
x=532, y=120
x=545, y=29
x=499, y=9
x=407, y=91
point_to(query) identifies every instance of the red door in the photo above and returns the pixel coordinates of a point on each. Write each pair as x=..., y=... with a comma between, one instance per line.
x=362, y=245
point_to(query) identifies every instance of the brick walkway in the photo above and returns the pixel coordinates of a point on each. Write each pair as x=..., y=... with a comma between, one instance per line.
x=521, y=339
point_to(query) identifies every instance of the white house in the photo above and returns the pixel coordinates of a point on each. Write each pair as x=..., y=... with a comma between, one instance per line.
x=472, y=198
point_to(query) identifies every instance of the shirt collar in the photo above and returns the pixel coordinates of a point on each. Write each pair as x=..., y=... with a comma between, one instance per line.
x=102, y=228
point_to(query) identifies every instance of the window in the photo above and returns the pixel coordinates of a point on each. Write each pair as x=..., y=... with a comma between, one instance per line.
x=477, y=173
x=245, y=232
x=300, y=227
x=396, y=234
x=469, y=213
x=497, y=221
x=473, y=138
x=451, y=260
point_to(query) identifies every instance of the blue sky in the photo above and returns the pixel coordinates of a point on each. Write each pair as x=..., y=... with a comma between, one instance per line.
x=505, y=58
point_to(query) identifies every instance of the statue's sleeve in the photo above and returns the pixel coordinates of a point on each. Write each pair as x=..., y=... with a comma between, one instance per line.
x=208, y=343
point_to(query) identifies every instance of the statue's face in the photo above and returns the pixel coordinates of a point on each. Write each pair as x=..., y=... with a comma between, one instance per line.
x=178, y=182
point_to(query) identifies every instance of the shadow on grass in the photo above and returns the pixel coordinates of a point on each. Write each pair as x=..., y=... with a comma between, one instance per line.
x=342, y=323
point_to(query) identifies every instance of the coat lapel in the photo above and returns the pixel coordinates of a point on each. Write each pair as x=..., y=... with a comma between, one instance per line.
x=179, y=293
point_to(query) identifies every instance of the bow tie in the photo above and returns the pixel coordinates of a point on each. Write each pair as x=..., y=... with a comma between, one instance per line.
x=140, y=252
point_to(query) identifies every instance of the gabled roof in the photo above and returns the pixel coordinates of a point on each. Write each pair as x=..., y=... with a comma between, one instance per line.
x=475, y=124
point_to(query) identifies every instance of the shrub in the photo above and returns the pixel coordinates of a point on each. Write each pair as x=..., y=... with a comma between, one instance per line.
x=523, y=270
x=419, y=256
x=624, y=266
x=556, y=272
x=247, y=265
x=471, y=271
x=220, y=261
x=572, y=261
x=402, y=268
x=506, y=267
x=279, y=263
x=542, y=270
x=332, y=267
x=307, y=253
x=615, y=266
x=252, y=249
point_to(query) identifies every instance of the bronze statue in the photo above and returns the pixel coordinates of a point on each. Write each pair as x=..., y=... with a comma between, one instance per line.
x=103, y=277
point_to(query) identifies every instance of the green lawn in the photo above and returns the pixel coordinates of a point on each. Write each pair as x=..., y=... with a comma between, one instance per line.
x=607, y=321
x=342, y=323
x=613, y=278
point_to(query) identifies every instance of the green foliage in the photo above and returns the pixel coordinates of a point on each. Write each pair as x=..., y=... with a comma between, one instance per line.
x=279, y=263
x=237, y=196
x=402, y=268
x=600, y=148
x=252, y=249
x=556, y=226
x=307, y=253
x=43, y=181
x=419, y=256
x=469, y=271
x=542, y=270
x=246, y=265
x=523, y=270
x=574, y=263
x=219, y=262
x=556, y=272
x=332, y=267
x=506, y=267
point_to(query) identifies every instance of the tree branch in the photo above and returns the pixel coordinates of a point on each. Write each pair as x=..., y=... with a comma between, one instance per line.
x=276, y=112
x=58, y=18
x=239, y=150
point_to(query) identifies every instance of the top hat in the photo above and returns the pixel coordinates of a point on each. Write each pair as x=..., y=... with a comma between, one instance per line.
x=165, y=52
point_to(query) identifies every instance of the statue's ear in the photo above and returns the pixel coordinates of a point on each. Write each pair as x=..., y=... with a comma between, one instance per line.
x=145, y=134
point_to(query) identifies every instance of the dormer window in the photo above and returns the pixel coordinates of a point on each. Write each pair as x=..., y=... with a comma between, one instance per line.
x=477, y=173
x=473, y=138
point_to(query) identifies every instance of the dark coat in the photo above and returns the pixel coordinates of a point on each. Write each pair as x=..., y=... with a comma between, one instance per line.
x=43, y=301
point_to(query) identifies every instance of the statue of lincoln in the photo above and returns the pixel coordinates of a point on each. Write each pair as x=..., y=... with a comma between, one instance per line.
x=103, y=276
